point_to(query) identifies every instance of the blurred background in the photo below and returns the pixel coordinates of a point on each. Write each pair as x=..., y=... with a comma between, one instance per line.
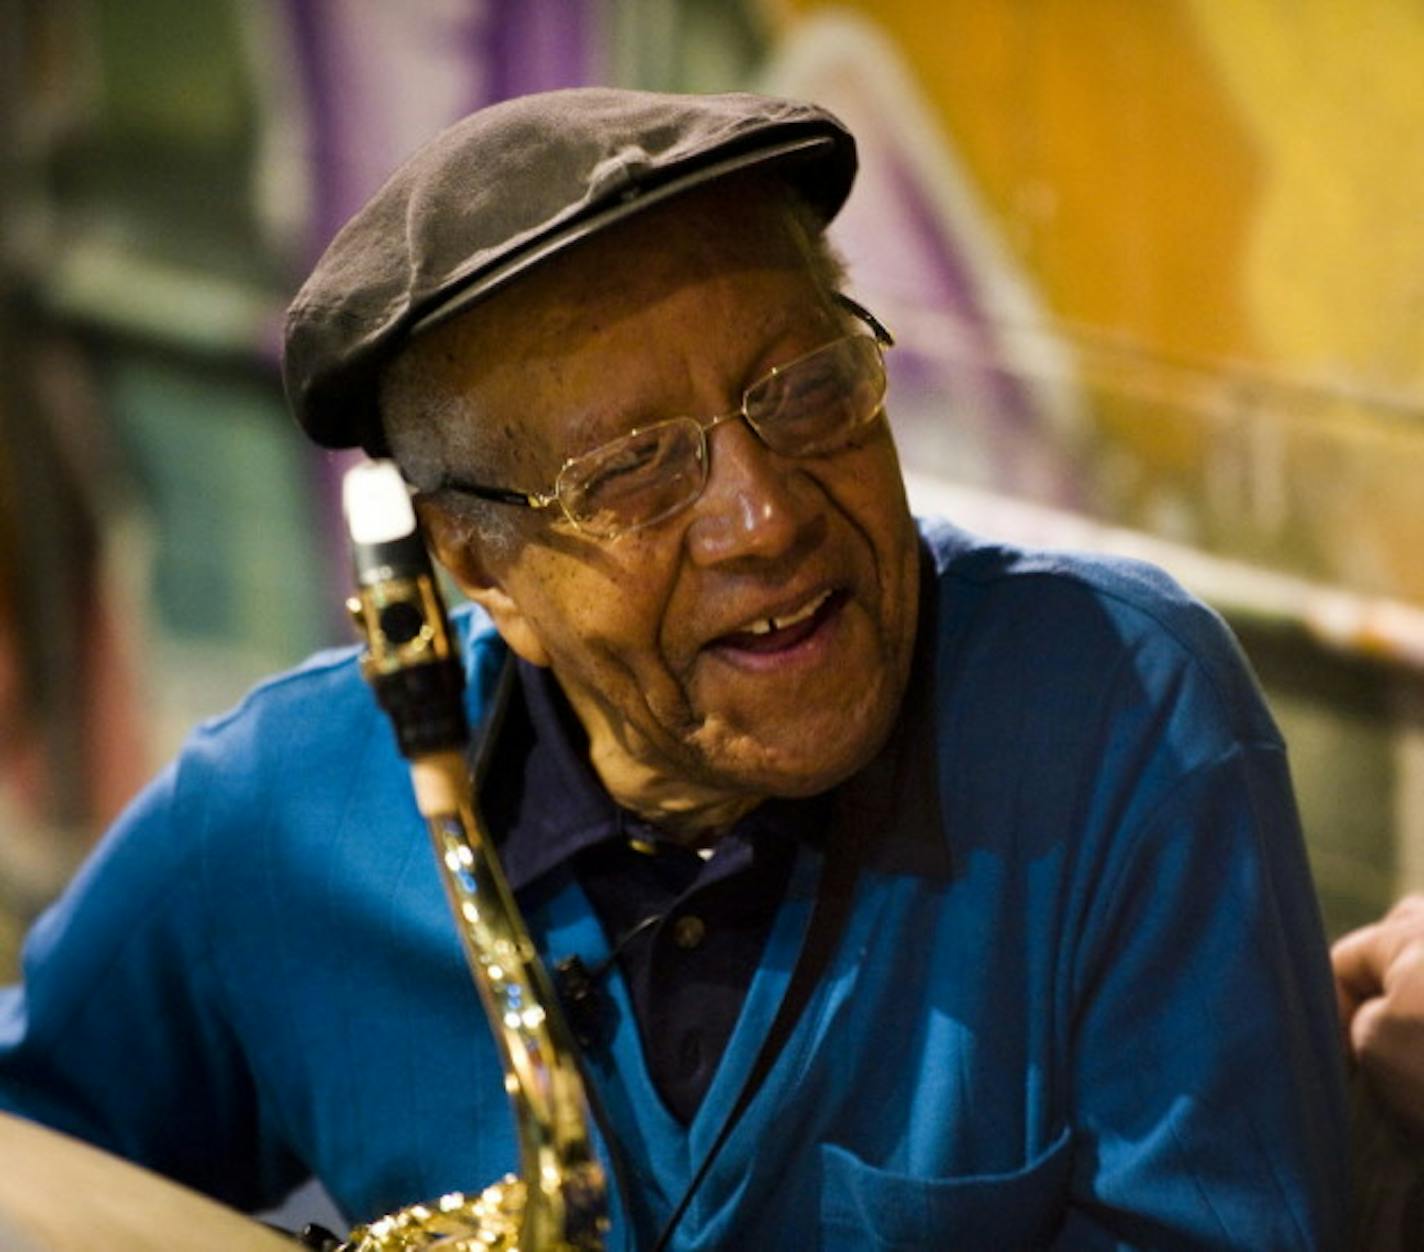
x=1157, y=272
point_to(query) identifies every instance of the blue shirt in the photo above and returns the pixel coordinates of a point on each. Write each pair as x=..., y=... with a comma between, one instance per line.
x=1109, y=1025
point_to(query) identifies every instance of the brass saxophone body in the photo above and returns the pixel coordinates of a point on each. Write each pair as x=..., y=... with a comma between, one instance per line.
x=558, y=1202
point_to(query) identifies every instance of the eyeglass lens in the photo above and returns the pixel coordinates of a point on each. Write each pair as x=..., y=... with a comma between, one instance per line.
x=636, y=480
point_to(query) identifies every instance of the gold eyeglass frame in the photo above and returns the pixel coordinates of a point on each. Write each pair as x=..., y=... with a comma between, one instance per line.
x=543, y=499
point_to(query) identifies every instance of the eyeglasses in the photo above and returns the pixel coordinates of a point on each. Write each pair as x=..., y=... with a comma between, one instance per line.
x=812, y=406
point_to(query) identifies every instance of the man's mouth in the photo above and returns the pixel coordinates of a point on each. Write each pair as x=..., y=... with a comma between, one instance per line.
x=777, y=634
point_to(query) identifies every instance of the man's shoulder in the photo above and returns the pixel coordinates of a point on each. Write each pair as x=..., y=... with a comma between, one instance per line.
x=1138, y=598
x=306, y=758
x=1080, y=618
x=1120, y=584
x=323, y=704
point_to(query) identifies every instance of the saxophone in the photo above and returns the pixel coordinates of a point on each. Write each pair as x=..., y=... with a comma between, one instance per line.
x=558, y=1202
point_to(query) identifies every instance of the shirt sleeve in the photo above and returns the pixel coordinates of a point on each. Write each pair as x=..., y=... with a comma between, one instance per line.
x=119, y=1034
x=1206, y=1078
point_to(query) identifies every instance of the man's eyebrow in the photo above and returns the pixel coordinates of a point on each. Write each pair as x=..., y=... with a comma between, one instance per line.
x=597, y=424
x=788, y=336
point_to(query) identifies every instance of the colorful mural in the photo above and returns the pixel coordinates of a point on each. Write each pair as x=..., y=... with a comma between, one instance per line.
x=1208, y=212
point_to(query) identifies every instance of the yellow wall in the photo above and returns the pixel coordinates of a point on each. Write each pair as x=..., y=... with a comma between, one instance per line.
x=1230, y=193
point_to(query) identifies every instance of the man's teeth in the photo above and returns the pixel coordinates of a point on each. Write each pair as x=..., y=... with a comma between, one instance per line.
x=767, y=624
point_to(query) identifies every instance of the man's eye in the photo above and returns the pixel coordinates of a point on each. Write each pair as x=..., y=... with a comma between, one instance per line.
x=626, y=468
x=814, y=386
x=810, y=392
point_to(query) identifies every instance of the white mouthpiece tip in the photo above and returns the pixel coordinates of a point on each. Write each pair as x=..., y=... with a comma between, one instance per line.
x=376, y=503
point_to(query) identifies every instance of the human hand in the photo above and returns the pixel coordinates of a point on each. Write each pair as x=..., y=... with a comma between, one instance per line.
x=1379, y=985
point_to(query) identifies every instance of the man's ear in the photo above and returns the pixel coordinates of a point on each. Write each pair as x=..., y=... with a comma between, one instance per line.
x=457, y=547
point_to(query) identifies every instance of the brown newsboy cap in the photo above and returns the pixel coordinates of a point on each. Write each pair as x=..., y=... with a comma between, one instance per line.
x=507, y=188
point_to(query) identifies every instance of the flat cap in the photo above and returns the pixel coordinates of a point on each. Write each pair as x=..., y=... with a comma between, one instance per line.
x=507, y=188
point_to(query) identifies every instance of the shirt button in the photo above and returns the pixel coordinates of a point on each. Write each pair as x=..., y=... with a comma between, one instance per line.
x=688, y=931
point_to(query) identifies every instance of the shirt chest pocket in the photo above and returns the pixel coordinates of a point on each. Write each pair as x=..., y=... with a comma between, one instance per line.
x=864, y=1207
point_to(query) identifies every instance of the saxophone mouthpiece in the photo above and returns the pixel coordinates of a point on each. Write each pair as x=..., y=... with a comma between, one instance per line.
x=411, y=659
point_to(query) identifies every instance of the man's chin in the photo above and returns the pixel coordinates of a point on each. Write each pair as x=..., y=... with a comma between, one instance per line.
x=799, y=760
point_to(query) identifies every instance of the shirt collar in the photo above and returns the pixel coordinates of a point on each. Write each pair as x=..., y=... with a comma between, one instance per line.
x=542, y=797
x=545, y=803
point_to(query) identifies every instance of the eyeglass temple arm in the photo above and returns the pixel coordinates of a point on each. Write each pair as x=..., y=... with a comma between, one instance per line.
x=500, y=495
x=854, y=307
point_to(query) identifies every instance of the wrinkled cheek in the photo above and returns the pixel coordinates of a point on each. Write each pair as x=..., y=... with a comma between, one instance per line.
x=632, y=687
x=672, y=705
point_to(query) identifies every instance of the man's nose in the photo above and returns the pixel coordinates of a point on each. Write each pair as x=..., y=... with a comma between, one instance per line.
x=750, y=506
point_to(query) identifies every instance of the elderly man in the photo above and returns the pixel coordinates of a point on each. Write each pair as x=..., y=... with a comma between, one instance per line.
x=1006, y=837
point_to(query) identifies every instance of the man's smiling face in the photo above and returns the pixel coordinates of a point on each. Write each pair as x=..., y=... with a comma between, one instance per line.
x=756, y=643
